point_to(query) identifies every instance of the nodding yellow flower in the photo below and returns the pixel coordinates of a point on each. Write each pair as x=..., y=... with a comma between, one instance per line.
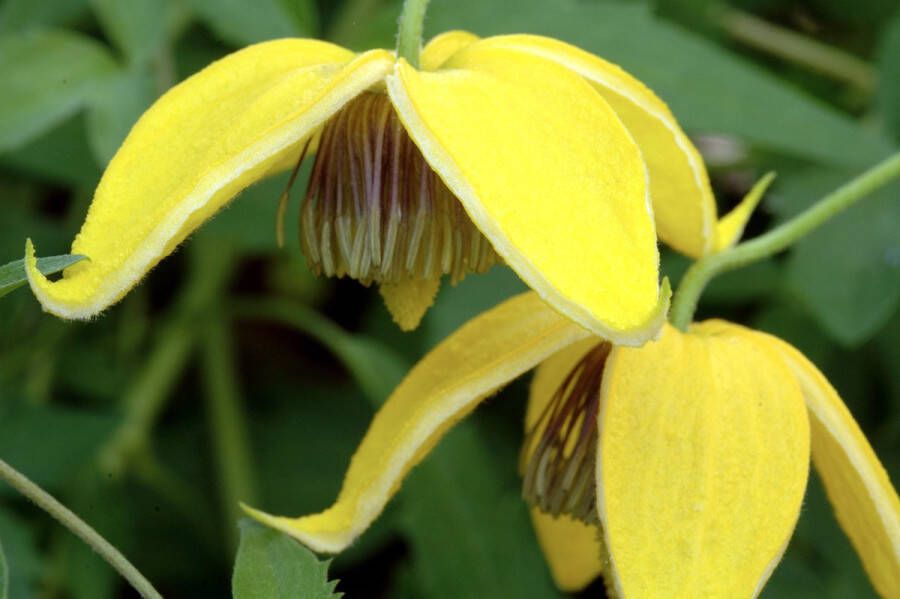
x=687, y=458
x=515, y=149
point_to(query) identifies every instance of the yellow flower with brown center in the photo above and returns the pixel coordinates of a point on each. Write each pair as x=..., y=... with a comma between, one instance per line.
x=518, y=149
x=687, y=456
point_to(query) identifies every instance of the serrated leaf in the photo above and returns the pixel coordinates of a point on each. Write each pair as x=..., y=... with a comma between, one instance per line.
x=12, y=274
x=4, y=574
x=708, y=89
x=241, y=23
x=889, y=75
x=271, y=565
x=47, y=76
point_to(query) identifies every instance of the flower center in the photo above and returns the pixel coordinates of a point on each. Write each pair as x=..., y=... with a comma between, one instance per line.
x=376, y=212
x=560, y=452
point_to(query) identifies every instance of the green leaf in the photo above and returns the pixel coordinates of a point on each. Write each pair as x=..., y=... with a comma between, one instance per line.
x=848, y=271
x=116, y=109
x=889, y=78
x=708, y=89
x=241, y=23
x=21, y=15
x=47, y=76
x=4, y=574
x=49, y=444
x=22, y=558
x=12, y=274
x=139, y=28
x=271, y=565
x=469, y=530
x=61, y=155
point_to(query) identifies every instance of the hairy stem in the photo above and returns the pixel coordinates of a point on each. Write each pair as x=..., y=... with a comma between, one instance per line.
x=409, y=33
x=79, y=528
x=228, y=424
x=778, y=239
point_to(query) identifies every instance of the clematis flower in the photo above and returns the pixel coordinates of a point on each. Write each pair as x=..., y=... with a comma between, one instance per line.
x=515, y=149
x=690, y=453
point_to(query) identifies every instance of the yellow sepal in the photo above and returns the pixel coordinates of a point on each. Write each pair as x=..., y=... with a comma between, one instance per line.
x=572, y=549
x=443, y=46
x=730, y=227
x=683, y=202
x=198, y=146
x=865, y=502
x=704, y=455
x=549, y=174
x=475, y=361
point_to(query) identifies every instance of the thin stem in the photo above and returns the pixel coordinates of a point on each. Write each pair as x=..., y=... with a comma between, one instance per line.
x=776, y=240
x=228, y=424
x=409, y=33
x=79, y=528
x=794, y=47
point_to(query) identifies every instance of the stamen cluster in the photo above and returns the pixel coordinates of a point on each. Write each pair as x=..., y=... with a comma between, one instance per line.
x=376, y=212
x=559, y=455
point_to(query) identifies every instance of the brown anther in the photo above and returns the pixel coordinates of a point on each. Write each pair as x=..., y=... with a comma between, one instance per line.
x=376, y=212
x=559, y=456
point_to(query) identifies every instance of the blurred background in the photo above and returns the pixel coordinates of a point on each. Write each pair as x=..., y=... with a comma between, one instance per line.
x=232, y=373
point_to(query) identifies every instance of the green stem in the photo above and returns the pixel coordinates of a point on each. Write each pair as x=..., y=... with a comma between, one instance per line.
x=794, y=47
x=409, y=33
x=776, y=240
x=145, y=400
x=79, y=528
x=228, y=424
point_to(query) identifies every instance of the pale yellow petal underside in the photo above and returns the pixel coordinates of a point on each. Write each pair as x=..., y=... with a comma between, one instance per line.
x=197, y=147
x=730, y=228
x=549, y=174
x=683, y=201
x=443, y=46
x=858, y=486
x=572, y=548
x=704, y=455
x=482, y=356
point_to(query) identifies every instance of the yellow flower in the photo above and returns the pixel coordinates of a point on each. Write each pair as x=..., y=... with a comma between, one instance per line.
x=514, y=148
x=691, y=452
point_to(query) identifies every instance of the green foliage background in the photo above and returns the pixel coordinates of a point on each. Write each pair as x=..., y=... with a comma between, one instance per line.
x=232, y=373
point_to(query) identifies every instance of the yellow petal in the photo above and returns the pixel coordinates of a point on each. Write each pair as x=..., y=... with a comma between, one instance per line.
x=193, y=150
x=730, y=228
x=443, y=46
x=482, y=356
x=858, y=486
x=683, y=202
x=704, y=455
x=407, y=301
x=572, y=548
x=549, y=174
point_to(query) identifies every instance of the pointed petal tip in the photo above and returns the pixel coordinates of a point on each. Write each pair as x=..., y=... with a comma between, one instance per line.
x=301, y=530
x=731, y=227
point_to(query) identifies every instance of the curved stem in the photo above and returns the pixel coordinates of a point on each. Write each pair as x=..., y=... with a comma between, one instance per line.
x=79, y=528
x=409, y=33
x=799, y=49
x=776, y=240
